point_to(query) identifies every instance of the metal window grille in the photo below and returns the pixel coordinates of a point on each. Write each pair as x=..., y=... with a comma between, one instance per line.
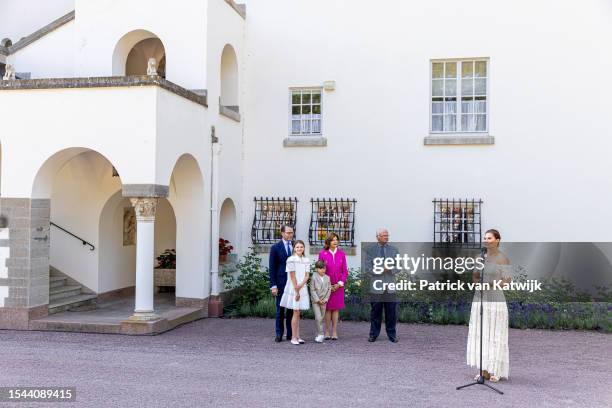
x=332, y=215
x=457, y=223
x=270, y=215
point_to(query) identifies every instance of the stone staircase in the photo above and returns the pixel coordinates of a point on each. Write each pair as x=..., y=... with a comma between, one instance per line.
x=66, y=294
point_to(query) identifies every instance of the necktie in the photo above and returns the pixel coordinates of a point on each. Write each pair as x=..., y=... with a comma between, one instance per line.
x=382, y=251
x=288, y=249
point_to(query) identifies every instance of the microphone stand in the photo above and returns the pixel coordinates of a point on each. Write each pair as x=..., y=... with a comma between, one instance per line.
x=481, y=379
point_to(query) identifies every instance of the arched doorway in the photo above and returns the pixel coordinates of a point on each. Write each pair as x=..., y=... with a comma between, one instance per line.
x=227, y=223
x=77, y=182
x=133, y=52
x=118, y=234
x=186, y=195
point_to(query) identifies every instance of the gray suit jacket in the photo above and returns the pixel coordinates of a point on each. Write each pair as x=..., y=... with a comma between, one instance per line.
x=320, y=288
x=374, y=251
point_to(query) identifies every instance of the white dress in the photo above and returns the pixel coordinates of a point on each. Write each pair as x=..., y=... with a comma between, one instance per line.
x=300, y=265
x=495, y=353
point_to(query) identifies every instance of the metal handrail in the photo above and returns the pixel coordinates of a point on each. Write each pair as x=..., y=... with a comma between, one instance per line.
x=70, y=233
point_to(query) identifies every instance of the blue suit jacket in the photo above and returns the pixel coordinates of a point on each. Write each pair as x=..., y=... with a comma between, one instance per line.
x=277, y=265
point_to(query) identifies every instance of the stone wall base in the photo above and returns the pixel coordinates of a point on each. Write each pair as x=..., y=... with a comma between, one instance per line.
x=19, y=318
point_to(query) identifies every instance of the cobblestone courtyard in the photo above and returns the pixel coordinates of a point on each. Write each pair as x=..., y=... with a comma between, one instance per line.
x=235, y=363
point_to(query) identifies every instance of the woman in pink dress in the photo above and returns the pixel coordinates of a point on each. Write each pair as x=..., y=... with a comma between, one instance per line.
x=335, y=261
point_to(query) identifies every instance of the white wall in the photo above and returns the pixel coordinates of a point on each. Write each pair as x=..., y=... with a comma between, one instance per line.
x=66, y=118
x=19, y=18
x=545, y=178
x=51, y=56
x=181, y=27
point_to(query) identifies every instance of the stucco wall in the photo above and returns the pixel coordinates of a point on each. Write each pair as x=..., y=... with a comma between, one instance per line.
x=51, y=56
x=19, y=18
x=544, y=179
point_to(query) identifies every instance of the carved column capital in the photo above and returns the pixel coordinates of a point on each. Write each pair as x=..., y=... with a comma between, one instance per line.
x=145, y=208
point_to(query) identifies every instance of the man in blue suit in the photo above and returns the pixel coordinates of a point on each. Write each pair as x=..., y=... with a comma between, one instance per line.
x=279, y=253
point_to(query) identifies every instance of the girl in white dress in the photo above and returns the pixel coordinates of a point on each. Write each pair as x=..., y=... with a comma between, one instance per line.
x=296, y=293
x=495, y=354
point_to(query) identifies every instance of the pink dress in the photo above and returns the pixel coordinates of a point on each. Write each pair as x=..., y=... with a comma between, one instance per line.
x=337, y=271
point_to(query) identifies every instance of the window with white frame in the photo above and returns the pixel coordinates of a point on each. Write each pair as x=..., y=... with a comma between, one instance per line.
x=305, y=112
x=459, y=96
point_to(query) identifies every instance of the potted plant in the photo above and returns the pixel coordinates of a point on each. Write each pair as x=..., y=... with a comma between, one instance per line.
x=165, y=271
x=224, y=250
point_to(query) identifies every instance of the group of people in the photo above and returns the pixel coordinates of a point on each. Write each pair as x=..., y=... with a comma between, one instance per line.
x=290, y=273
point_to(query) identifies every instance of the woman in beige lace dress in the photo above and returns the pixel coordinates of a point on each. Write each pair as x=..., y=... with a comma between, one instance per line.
x=495, y=355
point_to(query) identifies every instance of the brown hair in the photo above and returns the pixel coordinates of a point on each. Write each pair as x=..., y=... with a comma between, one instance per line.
x=329, y=239
x=320, y=264
x=495, y=233
x=299, y=241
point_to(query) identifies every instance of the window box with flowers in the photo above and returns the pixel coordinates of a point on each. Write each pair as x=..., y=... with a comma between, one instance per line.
x=224, y=250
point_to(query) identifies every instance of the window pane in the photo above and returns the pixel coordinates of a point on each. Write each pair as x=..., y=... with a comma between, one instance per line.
x=467, y=105
x=451, y=70
x=316, y=97
x=305, y=109
x=316, y=126
x=480, y=86
x=450, y=123
x=295, y=126
x=450, y=105
x=295, y=110
x=464, y=122
x=467, y=69
x=306, y=98
x=466, y=87
x=468, y=123
x=481, y=69
x=437, y=69
x=481, y=123
x=437, y=107
x=450, y=87
x=480, y=106
x=436, y=87
x=295, y=98
x=436, y=123
x=305, y=126
x=316, y=109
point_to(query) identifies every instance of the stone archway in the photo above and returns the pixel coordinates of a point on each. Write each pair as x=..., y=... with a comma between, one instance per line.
x=133, y=51
x=186, y=195
x=227, y=223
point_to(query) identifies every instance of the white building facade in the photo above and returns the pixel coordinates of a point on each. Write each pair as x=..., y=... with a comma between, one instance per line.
x=247, y=116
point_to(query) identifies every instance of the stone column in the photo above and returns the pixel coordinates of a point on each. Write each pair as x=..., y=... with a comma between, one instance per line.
x=145, y=252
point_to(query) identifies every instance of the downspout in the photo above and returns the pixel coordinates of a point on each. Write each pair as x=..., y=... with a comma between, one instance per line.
x=215, y=305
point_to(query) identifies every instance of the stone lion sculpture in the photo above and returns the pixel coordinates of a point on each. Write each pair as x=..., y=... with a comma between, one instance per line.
x=152, y=67
x=9, y=73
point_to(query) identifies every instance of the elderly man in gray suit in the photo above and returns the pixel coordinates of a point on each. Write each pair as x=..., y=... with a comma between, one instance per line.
x=382, y=299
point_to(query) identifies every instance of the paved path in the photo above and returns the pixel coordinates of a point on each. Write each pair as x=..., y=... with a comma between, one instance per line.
x=235, y=363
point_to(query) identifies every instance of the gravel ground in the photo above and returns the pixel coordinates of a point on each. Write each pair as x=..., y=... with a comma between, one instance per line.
x=235, y=363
